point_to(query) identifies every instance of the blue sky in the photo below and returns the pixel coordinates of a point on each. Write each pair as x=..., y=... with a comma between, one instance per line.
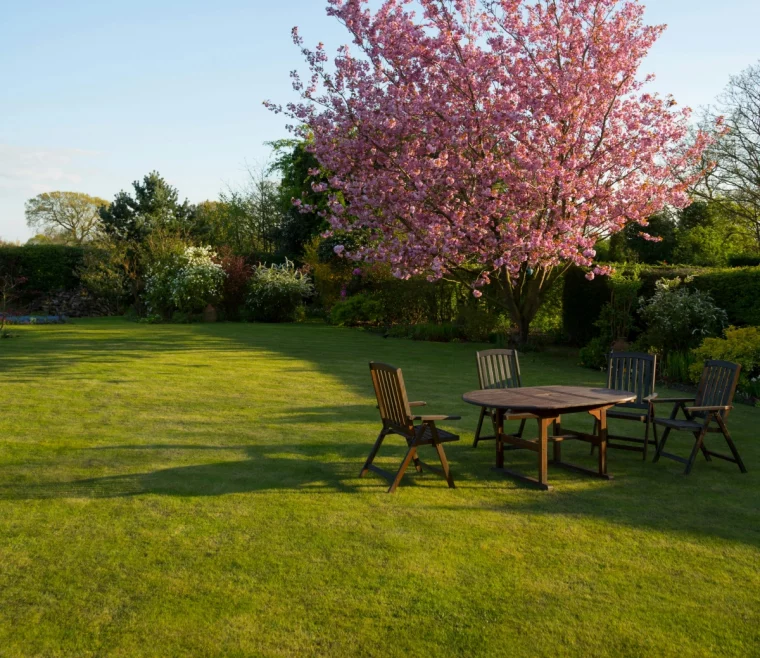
x=95, y=94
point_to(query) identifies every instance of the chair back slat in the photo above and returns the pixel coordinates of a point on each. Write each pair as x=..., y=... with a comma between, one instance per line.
x=498, y=369
x=633, y=372
x=717, y=386
x=391, y=396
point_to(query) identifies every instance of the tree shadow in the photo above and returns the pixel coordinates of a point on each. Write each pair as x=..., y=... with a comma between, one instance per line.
x=272, y=469
x=715, y=501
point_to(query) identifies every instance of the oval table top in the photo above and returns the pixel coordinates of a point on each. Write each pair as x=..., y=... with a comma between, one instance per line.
x=548, y=400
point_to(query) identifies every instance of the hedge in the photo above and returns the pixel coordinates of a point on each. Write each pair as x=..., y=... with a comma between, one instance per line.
x=582, y=301
x=48, y=268
x=737, y=290
x=744, y=260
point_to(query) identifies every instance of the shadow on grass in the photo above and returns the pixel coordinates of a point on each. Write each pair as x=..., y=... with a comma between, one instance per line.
x=715, y=501
x=271, y=469
x=680, y=505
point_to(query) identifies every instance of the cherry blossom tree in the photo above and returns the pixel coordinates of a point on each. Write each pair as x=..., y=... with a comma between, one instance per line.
x=491, y=142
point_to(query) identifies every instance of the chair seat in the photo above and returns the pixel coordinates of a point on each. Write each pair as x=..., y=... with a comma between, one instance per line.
x=679, y=425
x=640, y=416
x=443, y=436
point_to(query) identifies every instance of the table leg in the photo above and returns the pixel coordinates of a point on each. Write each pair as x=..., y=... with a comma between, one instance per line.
x=499, y=438
x=603, y=441
x=543, y=449
x=598, y=438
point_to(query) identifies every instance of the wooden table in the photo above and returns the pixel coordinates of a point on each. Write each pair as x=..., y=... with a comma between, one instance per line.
x=548, y=404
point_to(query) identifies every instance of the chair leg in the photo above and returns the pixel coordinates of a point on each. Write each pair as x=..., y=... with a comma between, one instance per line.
x=444, y=464
x=699, y=443
x=411, y=454
x=373, y=453
x=480, y=427
x=731, y=444
x=521, y=430
x=646, y=439
x=661, y=445
x=593, y=447
x=703, y=448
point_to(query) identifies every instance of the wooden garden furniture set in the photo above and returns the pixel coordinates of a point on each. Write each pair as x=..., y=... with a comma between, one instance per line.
x=629, y=395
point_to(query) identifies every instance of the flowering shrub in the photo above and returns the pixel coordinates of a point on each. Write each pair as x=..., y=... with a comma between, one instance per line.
x=198, y=282
x=187, y=281
x=276, y=293
x=678, y=319
x=742, y=346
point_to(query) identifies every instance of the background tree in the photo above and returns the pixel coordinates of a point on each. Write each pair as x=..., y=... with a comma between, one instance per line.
x=734, y=183
x=493, y=143
x=299, y=171
x=704, y=233
x=141, y=224
x=246, y=219
x=68, y=217
x=153, y=205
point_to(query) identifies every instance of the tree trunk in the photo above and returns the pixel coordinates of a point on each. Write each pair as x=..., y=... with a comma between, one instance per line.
x=523, y=295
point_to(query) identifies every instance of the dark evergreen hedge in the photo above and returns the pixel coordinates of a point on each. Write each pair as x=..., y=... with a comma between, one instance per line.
x=582, y=300
x=48, y=268
x=737, y=290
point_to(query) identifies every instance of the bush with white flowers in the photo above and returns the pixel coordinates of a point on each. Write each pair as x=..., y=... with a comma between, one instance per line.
x=276, y=293
x=186, y=282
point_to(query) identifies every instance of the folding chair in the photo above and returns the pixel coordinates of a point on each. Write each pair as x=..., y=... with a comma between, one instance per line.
x=498, y=369
x=708, y=413
x=634, y=372
x=397, y=417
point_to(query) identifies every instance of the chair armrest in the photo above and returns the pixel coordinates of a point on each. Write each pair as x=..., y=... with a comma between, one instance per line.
x=651, y=398
x=418, y=404
x=709, y=408
x=658, y=400
x=435, y=418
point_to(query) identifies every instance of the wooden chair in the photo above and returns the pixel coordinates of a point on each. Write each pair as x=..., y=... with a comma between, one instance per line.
x=397, y=417
x=498, y=369
x=708, y=413
x=634, y=372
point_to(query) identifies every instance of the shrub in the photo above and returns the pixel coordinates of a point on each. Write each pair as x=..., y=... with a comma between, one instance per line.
x=103, y=273
x=678, y=319
x=675, y=366
x=477, y=322
x=198, y=281
x=437, y=333
x=361, y=309
x=276, y=293
x=594, y=354
x=186, y=281
x=741, y=345
x=235, y=286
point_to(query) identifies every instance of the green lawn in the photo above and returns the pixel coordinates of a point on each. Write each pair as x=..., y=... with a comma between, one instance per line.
x=192, y=490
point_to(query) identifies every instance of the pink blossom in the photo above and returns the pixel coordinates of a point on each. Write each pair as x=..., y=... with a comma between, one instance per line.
x=339, y=249
x=547, y=142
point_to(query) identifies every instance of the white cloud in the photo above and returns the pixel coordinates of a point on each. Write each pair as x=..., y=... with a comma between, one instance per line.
x=38, y=170
x=28, y=171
